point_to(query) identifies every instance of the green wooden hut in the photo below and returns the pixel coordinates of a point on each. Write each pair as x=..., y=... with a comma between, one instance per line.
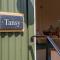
x=18, y=45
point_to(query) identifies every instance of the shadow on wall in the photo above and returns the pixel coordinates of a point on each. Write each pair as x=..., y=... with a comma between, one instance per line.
x=28, y=10
x=16, y=34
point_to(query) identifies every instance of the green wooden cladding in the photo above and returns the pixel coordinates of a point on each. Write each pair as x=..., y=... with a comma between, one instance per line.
x=14, y=46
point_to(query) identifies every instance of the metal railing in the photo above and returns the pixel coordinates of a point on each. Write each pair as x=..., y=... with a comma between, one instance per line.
x=54, y=44
x=51, y=41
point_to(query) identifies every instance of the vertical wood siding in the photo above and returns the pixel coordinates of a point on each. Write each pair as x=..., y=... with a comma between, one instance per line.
x=31, y=28
x=14, y=46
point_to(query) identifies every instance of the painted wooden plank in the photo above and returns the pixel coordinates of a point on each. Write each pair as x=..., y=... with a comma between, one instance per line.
x=4, y=5
x=18, y=46
x=6, y=46
x=25, y=46
x=25, y=35
x=11, y=5
x=12, y=46
x=3, y=45
x=15, y=5
x=31, y=28
x=0, y=48
x=0, y=5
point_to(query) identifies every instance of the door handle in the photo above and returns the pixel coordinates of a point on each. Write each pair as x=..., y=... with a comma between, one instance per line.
x=36, y=36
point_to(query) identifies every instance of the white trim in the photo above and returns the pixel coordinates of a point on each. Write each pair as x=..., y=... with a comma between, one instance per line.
x=35, y=26
x=10, y=13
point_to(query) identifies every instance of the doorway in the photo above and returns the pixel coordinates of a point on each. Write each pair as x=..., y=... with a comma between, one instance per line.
x=47, y=14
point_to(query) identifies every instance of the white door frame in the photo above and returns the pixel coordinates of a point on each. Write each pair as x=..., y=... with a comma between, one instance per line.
x=35, y=26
